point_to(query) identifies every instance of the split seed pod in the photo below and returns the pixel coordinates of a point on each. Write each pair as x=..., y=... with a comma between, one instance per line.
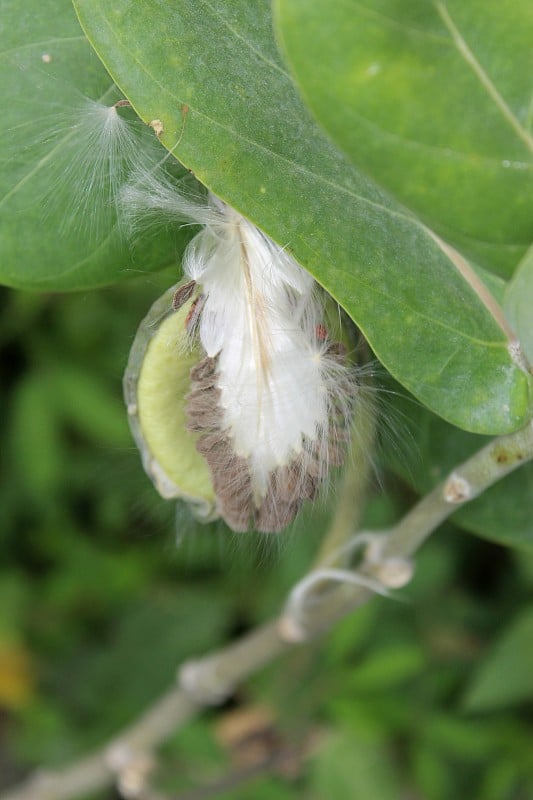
x=265, y=396
x=156, y=383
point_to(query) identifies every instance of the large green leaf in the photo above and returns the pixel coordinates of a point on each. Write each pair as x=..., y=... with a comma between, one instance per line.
x=432, y=100
x=350, y=765
x=211, y=74
x=47, y=236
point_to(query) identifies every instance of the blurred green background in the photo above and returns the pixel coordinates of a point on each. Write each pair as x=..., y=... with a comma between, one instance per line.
x=103, y=591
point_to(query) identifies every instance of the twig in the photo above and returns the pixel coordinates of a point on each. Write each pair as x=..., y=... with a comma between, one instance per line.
x=488, y=466
x=387, y=554
x=211, y=679
x=100, y=769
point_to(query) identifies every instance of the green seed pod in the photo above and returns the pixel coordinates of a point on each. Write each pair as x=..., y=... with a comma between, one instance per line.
x=156, y=383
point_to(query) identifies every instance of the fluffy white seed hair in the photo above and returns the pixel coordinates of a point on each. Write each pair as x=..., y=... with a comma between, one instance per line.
x=260, y=318
x=88, y=152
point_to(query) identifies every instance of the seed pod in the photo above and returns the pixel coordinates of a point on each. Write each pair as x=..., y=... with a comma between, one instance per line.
x=266, y=391
x=156, y=383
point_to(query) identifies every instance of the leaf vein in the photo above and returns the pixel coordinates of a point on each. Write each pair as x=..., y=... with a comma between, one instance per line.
x=396, y=23
x=44, y=43
x=482, y=75
x=445, y=151
x=243, y=39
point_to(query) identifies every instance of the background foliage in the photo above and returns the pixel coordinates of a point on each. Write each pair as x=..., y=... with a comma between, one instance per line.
x=98, y=604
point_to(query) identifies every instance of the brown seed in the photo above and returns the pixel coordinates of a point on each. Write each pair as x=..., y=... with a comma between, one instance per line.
x=182, y=294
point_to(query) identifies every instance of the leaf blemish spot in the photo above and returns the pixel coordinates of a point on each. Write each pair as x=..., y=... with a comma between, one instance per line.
x=157, y=127
x=517, y=354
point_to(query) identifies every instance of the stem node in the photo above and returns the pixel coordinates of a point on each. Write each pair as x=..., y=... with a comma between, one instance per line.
x=457, y=489
x=201, y=681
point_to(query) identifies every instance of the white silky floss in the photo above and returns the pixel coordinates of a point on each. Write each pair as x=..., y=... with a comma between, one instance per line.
x=260, y=318
x=87, y=153
x=278, y=383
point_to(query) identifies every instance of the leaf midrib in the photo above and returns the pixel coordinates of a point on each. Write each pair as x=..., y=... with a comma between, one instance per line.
x=485, y=80
x=239, y=36
x=445, y=152
x=43, y=43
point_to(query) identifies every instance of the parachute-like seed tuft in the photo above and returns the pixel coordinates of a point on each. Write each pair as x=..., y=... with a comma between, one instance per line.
x=88, y=152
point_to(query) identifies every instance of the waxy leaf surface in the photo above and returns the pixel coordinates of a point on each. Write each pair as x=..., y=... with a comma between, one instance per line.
x=433, y=100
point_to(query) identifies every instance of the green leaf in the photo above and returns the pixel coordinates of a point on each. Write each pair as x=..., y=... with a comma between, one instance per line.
x=88, y=405
x=506, y=676
x=154, y=634
x=212, y=75
x=48, y=239
x=518, y=303
x=470, y=740
x=432, y=774
x=349, y=766
x=504, y=513
x=37, y=452
x=431, y=99
x=387, y=667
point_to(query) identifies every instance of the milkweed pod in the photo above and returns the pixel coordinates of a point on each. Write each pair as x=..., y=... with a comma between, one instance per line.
x=156, y=383
x=270, y=395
